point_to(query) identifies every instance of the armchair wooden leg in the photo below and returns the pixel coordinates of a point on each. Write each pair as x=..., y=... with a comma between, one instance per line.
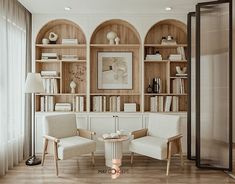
x=132, y=157
x=44, y=150
x=168, y=159
x=181, y=154
x=56, y=158
x=93, y=158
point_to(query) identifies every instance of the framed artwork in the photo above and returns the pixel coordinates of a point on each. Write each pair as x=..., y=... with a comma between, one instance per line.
x=114, y=70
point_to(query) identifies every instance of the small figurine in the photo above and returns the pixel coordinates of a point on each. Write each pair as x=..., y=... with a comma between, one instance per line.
x=53, y=37
x=73, y=86
x=117, y=40
x=111, y=36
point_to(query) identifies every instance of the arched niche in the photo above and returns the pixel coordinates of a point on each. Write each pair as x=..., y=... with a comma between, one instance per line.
x=125, y=31
x=64, y=29
x=171, y=27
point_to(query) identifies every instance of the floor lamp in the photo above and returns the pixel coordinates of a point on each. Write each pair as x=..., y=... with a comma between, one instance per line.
x=33, y=85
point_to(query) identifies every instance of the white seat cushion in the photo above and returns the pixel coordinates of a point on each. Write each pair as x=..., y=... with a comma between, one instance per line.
x=75, y=146
x=151, y=146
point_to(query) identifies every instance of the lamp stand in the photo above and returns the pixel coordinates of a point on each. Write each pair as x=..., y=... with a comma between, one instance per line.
x=33, y=160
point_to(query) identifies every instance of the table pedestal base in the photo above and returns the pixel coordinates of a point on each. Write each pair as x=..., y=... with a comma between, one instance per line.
x=113, y=150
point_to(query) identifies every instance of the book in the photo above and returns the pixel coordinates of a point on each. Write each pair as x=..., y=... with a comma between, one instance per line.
x=104, y=104
x=175, y=104
x=69, y=41
x=161, y=103
x=42, y=103
x=168, y=103
x=118, y=104
x=81, y=103
x=152, y=104
x=129, y=107
x=111, y=136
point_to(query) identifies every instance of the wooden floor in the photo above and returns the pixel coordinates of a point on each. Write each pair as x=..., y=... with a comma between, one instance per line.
x=145, y=170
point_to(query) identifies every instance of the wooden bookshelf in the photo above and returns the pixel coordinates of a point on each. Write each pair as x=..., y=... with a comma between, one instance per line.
x=68, y=70
x=165, y=69
x=129, y=42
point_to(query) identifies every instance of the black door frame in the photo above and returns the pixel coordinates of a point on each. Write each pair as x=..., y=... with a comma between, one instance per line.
x=198, y=27
x=189, y=124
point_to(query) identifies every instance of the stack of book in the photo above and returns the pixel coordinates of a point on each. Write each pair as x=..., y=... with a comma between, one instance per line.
x=46, y=103
x=49, y=56
x=69, y=41
x=175, y=57
x=63, y=107
x=79, y=104
x=50, y=85
x=69, y=57
x=178, y=86
x=180, y=50
x=47, y=73
x=157, y=104
x=154, y=57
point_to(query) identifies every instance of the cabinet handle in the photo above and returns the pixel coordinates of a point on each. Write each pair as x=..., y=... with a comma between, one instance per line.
x=113, y=116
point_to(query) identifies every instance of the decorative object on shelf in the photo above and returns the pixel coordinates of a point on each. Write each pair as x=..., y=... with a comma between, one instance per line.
x=33, y=85
x=181, y=71
x=69, y=57
x=117, y=40
x=114, y=70
x=73, y=86
x=155, y=57
x=111, y=36
x=69, y=41
x=175, y=57
x=156, y=85
x=180, y=50
x=45, y=41
x=49, y=56
x=63, y=107
x=53, y=37
x=77, y=73
x=129, y=107
x=149, y=88
x=168, y=41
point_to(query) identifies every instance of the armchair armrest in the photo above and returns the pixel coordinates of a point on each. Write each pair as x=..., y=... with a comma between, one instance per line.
x=139, y=133
x=174, y=138
x=51, y=138
x=85, y=133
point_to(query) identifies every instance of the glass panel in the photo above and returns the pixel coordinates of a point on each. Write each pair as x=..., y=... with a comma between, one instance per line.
x=193, y=86
x=214, y=85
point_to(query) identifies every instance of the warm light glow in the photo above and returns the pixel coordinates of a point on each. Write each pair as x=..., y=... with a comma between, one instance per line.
x=168, y=8
x=67, y=8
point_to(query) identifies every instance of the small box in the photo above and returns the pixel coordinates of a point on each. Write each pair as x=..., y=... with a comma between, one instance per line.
x=129, y=107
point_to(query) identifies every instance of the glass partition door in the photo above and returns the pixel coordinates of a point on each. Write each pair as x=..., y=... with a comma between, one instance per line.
x=214, y=85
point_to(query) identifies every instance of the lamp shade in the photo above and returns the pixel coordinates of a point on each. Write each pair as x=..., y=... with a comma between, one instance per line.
x=34, y=83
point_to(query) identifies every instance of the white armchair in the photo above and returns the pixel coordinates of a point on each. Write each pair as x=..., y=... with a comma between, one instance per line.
x=161, y=140
x=68, y=141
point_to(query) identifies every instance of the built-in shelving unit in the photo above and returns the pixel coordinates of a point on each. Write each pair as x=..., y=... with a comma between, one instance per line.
x=67, y=70
x=129, y=42
x=165, y=69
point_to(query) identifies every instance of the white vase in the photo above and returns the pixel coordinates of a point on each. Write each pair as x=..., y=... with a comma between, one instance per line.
x=117, y=40
x=45, y=41
x=73, y=86
x=111, y=36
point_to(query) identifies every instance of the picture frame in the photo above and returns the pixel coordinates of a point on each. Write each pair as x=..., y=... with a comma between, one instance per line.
x=115, y=70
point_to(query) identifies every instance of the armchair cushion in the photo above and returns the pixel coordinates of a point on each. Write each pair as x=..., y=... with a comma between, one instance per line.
x=75, y=146
x=151, y=146
x=60, y=126
x=164, y=126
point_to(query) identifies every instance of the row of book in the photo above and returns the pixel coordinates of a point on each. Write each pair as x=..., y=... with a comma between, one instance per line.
x=178, y=86
x=50, y=85
x=100, y=104
x=79, y=104
x=47, y=104
x=164, y=103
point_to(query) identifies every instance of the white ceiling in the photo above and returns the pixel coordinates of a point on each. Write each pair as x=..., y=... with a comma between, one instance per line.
x=109, y=6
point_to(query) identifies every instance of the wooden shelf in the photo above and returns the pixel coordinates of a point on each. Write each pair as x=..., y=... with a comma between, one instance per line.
x=167, y=112
x=115, y=94
x=50, y=77
x=59, y=61
x=165, y=46
x=61, y=45
x=164, y=94
x=61, y=94
x=178, y=77
x=182, y=61
x=155, y=61
x=115, y=46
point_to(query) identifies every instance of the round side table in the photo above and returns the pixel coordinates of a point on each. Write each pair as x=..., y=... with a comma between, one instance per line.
x=113, y=150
